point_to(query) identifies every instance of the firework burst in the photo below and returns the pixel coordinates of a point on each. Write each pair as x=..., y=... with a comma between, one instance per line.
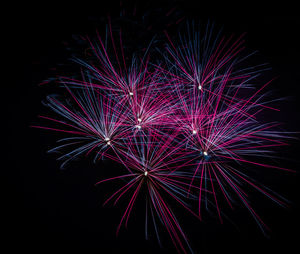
x=185, y=128
x=153, y=165
x=222, y=126
x=94, y=122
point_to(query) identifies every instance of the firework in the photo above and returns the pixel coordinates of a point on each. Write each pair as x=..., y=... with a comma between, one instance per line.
x=94, y=122
x=201, y=59
x=111, y=71
x=185, y=128
x=153, y=165
x=221, y=125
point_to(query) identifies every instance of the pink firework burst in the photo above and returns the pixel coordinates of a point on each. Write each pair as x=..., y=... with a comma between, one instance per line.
x=153, y=162
x=95, y=123
x=111, y=71
x=222, y=126
x=186, y=129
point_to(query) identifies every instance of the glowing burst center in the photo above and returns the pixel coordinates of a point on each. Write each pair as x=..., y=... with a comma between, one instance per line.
x=138, y=126
x=107, y=141
x=205, y=153
x=194, y=131
x=146, y=173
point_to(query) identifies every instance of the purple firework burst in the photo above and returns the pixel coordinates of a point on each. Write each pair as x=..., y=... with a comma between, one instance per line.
x=185, y=128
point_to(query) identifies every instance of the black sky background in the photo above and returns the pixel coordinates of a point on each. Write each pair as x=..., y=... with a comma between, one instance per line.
x=56, y=210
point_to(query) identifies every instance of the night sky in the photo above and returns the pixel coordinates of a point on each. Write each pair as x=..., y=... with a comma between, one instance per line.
x=61, y=210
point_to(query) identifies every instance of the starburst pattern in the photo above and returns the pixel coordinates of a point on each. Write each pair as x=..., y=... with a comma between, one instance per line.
x=187, y=128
